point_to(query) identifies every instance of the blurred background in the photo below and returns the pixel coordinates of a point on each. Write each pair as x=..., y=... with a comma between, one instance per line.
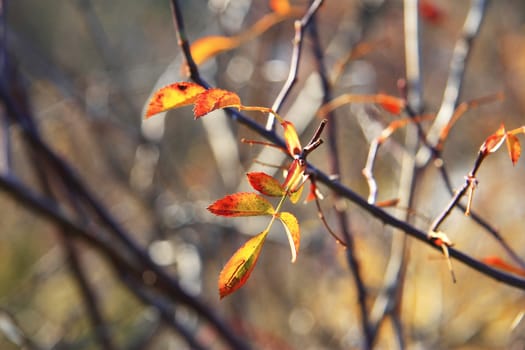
x=89, y=67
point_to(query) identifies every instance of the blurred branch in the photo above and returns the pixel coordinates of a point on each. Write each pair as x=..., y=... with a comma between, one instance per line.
x=294, y=61
x=335, y=168
x=12, y=331
x=455, y=77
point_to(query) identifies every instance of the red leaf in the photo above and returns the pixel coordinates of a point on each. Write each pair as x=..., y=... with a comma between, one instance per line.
x=238, y=269
x=266, y=184
x=501, y=264
x=242, y=204
x=293, y=145
x=430, y=12
x=513, y=147
x=390, y=103
x=173, y=96
x=314, y=193
x=291, y=225
x=213, y=99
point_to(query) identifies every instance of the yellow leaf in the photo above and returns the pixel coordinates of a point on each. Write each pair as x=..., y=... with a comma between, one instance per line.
x=207, y=47
x=238, y=269
x=173, y=96
x=281, y=7
x=291, y=225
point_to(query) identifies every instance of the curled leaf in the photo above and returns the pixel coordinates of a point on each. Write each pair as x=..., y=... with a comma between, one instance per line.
x=242, y=204
x=238, y=269
x=213, y=99
x=295, y=177
x=291, y=225
x=494, y=141
x=173, y=96
x=265, y=184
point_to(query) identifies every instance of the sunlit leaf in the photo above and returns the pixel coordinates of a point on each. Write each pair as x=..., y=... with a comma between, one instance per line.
x=390, y=103
x=282, y=7
x=513, y=147
x=295, y=177
x=291, y=225
x=293, y=145
x=238, y=269
x=496, y=261
x=173, y=96
x=296, y=195
x=494, y=141
x=242, y=204
x=207, y=47
x=265, y=184
x=213, y=99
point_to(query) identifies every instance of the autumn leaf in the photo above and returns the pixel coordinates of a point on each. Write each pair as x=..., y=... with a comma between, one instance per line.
x=238, y=269
x=293, y=145
x=513, y=147
x=496, y=261
x=294, y=178
x=291, y=225
x=213, y=99
x=296, y=195
x=430, y=12
x=173, y=96
x=265, y=184
x=392, y=104
x=281, y=7
x=242, y=204
x=494, y=141
x=207, y=47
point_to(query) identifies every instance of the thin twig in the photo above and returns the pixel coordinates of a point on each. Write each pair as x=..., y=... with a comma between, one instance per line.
x=299, y=26
x=455, y=78
x=335, y=168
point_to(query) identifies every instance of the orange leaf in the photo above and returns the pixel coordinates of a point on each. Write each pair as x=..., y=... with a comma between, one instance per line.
x=213, y=99
x=390, y=103
x=238, y=269
x=501, y=264
x=294, y=178
x=494, y=141
x=513, y=147
x=242, y=204
x=281, y=7
x=291, y=225
x=266, y=184
x=207, y=47
x=173, y=96
x=293, y=145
